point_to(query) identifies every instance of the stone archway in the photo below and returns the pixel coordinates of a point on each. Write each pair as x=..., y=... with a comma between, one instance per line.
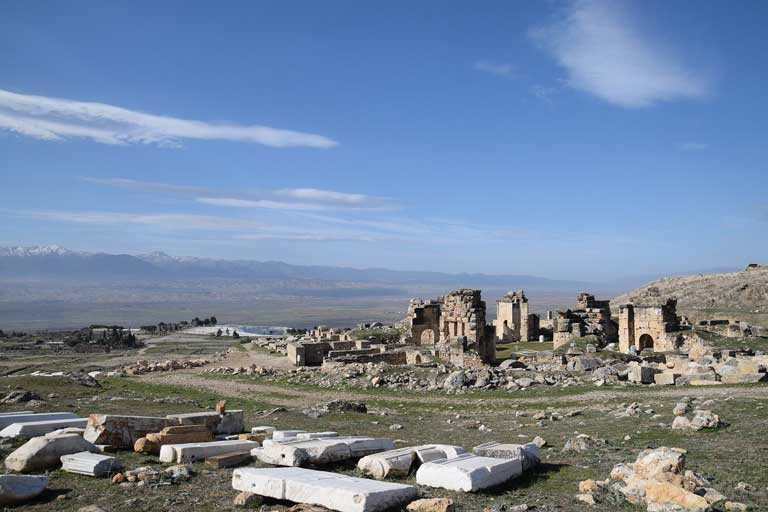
x=427, y=337
x=417, y=359
x=645, y=341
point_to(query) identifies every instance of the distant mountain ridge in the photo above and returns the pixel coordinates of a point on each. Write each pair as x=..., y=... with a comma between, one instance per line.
x=61, y=263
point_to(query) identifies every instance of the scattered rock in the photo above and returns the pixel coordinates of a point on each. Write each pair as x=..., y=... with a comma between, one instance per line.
x=19, y=397
x=431, y=505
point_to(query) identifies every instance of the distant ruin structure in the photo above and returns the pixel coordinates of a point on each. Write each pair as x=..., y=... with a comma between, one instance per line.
x=455, y=325
x=513, y=322
x=649, y=323
x=589, y=317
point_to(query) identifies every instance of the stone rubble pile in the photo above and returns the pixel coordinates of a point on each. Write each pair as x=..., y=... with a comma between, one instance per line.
x=143, y=366
x=658, y=480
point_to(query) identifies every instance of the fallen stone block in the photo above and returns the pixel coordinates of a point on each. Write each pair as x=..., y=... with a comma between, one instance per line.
x=121, y=431
x=322, y=451
x=304, y=436
x=25, y=416
x=152, y=442
x=528, y=454
x=641, y=374
x=40, y=453
x=15, y=489
x=468, y=473
x=665, y=378
x=230, y=422
x=331, y=490
x=229, y=460
x=193, y=452
x=263, y=430
x=399, y=462
x=31, y=429
x=92, y=464
x=285, y=435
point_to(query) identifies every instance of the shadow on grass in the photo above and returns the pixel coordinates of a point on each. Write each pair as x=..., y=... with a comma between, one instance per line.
x=542, y=473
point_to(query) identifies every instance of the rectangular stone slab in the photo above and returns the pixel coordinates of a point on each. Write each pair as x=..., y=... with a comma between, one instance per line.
x=468, y=473
x=194, y=452
x=527, y=453
x=10, y=418
x=229, y=460
x=30, y=429
x=399, y=462
x=122, y=431
x=321, y=451
x=15, y=413
x=92, y=464
x=331, y=490
x=285, y=435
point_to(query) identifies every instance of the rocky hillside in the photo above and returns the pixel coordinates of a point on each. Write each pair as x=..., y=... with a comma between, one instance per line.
x=736, y=295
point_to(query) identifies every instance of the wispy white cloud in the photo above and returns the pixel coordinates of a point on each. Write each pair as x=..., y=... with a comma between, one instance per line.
x=495, y=68
x=693, y=146
x=603, y=53
x=284, y=199
x=56, y=119
x=258, y=203
x=145, y=185
x=329, y=196
x=238, y=228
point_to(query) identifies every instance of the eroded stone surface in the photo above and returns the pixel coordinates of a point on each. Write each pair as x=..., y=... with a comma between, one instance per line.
x=41, y=453
x=334, y=491
x=468, y=472
x=321, y=451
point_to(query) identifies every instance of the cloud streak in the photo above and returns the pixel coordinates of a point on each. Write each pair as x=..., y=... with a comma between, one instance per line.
x=603, y=53
x=284, y=199
x=57, y=119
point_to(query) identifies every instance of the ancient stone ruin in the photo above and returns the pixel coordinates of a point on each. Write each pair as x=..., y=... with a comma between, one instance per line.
x=649, y=323
x=513, y=322
x=590, y=316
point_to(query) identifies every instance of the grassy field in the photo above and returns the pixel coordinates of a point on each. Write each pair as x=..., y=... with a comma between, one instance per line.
x=726, y=456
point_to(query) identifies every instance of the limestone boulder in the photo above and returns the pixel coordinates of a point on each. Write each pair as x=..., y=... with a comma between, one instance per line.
x=45, y=452
x=15, y=489
x=661, y=496
x=431, y=505
x=662, y=464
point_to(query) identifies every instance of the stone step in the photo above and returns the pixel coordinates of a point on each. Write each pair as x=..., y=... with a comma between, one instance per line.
x=194, y=452
x=331, y=490
x=30, y=429
x=92, y=464
x=468, y=473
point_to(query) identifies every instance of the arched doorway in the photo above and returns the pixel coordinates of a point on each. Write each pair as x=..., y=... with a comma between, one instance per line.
x=645, y=341
x=417, y=360
x=428, y=337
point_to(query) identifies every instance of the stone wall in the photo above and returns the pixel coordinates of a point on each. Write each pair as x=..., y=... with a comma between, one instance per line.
x=512, y=317
x=649, y=325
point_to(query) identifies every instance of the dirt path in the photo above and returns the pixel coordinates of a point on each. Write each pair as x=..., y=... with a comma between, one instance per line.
x=294, y=397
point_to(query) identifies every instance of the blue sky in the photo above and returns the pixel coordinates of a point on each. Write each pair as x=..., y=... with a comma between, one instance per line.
x=584, y=140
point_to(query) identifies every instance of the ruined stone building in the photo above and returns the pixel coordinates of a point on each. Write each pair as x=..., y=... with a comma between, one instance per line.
x=513, y=322
x=590, y=316
x=649, y=322
x=455, y=325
